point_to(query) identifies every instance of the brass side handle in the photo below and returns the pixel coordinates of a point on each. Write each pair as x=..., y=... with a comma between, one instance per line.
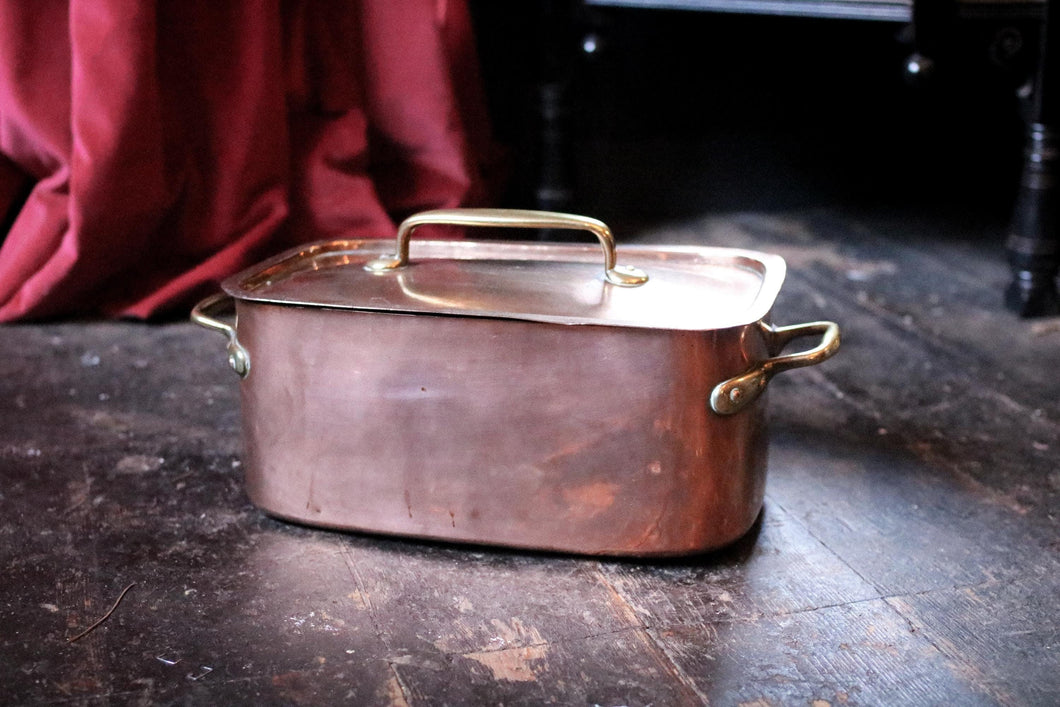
x=621, y=275
x=735, y=394
x=204, y=314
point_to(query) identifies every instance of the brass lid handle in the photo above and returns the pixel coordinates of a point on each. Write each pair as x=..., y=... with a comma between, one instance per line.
x=621, y=275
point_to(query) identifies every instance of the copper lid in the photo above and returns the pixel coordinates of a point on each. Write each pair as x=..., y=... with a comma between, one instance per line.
x=658, y=287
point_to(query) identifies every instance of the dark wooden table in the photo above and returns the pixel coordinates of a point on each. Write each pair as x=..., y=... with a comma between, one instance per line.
x=908, y=553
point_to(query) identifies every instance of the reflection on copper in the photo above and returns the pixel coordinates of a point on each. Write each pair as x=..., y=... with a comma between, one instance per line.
x=500, y=423
x=594, y=440
x=691, y=288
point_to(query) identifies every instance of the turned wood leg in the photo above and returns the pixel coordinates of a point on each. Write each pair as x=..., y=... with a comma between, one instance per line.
x=1034, y=238
x=552, y=156
x=554, y=189
x=1033, y=244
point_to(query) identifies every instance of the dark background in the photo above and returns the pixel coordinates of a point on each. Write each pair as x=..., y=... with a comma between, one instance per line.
x=680, y=113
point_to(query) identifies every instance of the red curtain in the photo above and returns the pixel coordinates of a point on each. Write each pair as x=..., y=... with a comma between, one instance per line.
x=150, y=148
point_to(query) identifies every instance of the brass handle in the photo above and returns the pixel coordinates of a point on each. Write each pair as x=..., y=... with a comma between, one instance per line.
x=203, y=314
x=736, y=393
x=622, y=275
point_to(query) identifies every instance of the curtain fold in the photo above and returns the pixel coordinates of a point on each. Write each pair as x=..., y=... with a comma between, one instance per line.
x=148, y=148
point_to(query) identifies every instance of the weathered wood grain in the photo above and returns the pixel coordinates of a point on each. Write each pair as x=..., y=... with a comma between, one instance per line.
x=780, y=569
x=1000, y=634
x=857, y=654
x=907, y=553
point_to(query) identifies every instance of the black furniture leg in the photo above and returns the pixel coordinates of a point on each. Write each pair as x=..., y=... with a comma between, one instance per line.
x=552, y=156
x=932, y=34
x=1034, y=239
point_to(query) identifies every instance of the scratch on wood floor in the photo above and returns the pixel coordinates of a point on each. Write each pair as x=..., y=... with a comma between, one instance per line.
x=955, y=657
x=622, y=608
x=516, y=633
x=395, y=691
x=760, y=702
x=1045, y=327
x=360, y=600
x=520, y=664
x=105, y=616
x=363, y=597
x=626, y=611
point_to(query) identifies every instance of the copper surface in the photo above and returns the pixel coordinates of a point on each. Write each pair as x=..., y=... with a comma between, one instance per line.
x=512, y=393
x=587, y=439
x=688, y=288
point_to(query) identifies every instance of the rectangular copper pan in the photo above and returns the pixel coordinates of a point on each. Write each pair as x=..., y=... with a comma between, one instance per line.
x=509, y=393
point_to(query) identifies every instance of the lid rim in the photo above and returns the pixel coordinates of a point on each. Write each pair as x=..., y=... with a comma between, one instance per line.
x=259, y=283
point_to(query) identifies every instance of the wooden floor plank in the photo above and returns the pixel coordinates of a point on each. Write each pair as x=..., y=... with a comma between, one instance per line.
x=779, y=568
x=858, y=654
x=904, y=525
x=470, y=601
x=622, y=668
x=1003, y=634
x=907, y=552
x=269, y=613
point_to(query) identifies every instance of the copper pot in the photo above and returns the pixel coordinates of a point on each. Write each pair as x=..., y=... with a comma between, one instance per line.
x=511, y=393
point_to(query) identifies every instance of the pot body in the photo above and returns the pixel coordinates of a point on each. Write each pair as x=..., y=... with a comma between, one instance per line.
x=574, y=438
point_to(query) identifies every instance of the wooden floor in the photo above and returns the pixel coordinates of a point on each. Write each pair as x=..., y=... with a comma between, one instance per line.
x=908, y=552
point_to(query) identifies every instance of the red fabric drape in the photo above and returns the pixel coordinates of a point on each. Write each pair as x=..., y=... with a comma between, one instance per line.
x=148, y=149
